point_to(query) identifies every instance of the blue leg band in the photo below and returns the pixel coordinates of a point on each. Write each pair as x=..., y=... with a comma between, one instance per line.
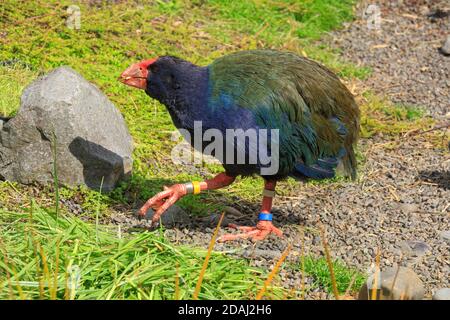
x=265, y=216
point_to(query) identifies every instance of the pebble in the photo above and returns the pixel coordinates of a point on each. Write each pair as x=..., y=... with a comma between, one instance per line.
x=232, y=211
x=445, y=49
x=424, y=10
x=404, y=285
x=442, y=294
x=445, y=235
x=408, y=207
x=214, y=219
x=174, y=215
x=413, y=247
x=258, y=253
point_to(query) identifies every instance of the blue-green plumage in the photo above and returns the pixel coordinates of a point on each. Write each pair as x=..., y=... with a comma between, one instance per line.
x=317, y=117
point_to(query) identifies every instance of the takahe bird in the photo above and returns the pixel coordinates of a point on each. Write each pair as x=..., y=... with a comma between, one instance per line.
x=315, y=114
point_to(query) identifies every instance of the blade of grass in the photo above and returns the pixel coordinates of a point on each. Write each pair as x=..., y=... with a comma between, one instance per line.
x=45, y=271
x=329, y=262
x=8, y=276
x=177, y=282
x=395, y=278
x=376, y=276
x=55, y=176
x=36, y=250
x=55, y=272
x=69, y=292
x=350, y=286
x=273, y=273
x=97, y=211
x=302, y=261
x=208, y=255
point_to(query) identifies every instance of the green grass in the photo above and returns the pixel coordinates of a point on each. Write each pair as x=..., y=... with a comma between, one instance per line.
x=318, y=16
x=380, y=116
x=37, y=253
x=12, y=81
x=346, y=279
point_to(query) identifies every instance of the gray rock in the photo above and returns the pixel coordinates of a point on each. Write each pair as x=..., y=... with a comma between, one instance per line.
x=405, y=285
x=174, y=215
x=62, y=110
x=442, y=294
x=445, y=49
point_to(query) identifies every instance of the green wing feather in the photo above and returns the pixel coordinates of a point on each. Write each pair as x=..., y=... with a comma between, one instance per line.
x=296, y=95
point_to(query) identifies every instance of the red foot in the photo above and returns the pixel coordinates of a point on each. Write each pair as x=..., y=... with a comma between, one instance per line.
x=163, y=200
x=260, y=232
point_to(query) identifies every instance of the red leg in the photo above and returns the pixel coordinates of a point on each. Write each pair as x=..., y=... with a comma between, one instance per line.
x=264, y=227
x=163, y=200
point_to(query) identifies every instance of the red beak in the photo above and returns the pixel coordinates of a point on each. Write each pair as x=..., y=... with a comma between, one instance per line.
x=136, y=74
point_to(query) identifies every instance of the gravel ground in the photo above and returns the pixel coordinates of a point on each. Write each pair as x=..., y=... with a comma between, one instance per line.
x=401, y=204
x=404, y=53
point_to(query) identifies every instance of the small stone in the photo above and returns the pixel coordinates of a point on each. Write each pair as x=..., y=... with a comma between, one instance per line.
x=174, y=215
x=177, y=23
x=214, y=219
x=442, y=294
x=232, y=211
x=424, y=10
x=445, y=235
x=407, y=207
x=414, y=247
x=445, y=49
x=261, y=253
x=316, y=240
x=404, y=285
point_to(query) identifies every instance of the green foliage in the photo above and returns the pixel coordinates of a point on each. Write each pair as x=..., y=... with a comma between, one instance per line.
x=402, y=112
x=13, y=80
x=318, y=269
x=308, y=19
x=268, y=19
x=42, y=256
x=318, y=16
x=382, y=116
x=89, y=200
x=92, y=201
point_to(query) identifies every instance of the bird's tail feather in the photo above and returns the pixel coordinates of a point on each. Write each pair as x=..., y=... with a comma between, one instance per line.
x=326, y=168
x=349, y=162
